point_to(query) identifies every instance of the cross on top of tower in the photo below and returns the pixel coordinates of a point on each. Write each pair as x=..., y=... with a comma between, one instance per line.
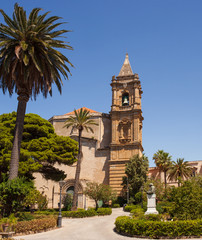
x=126, y=69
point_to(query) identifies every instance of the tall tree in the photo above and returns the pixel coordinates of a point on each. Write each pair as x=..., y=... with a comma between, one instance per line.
x=80, y=121
x=29, y=63
x=40, y=149
x=136, y=173
x=179, y=170
x=163, y=162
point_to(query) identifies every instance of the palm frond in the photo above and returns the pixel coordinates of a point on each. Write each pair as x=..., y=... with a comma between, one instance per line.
x=81, y=120
x=31, y=42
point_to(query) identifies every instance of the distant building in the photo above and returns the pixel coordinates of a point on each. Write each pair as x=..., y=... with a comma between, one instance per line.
x=154, y=173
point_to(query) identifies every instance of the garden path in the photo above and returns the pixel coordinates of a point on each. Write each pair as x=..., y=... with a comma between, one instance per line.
x=92, y=228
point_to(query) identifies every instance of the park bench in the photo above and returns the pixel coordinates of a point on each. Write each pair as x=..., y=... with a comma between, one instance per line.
x=6, y=234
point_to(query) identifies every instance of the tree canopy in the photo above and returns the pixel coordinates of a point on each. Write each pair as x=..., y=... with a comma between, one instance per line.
x=99, y=191
x=179, y=170
x=163, y=162
x=29, y=58
x=30, y=63
x=187, y=199
x=41, y=148
x=136, y=172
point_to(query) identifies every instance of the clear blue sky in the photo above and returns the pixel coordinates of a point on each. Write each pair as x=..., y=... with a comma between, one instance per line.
x=164, y=43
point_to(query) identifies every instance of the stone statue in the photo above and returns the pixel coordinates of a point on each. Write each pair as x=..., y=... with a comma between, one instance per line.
x=151, y=200
x=151, y=189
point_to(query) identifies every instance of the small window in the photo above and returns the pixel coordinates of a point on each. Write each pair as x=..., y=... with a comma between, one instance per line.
x=125, y=99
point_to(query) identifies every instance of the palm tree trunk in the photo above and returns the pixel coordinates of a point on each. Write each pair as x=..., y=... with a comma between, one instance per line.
x=179, y=179
x=15, y=154
x=165, y=181
x=77, y=175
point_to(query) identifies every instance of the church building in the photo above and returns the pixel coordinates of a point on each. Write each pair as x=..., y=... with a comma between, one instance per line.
x=116, y=138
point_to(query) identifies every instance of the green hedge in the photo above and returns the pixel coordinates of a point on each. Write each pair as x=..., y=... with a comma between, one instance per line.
x=151, y=217
x=116, y=205
x=104, y=211
x=156, y=229
x=129, y=208
x=24, y=216
x=35, y=225
x=46, y=212
x=81, y=213
x=137, y=212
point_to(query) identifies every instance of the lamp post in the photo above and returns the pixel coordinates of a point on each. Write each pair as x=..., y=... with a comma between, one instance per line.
x=61, y=183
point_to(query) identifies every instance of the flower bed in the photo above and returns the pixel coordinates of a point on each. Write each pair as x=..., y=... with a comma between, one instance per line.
x=36, y=225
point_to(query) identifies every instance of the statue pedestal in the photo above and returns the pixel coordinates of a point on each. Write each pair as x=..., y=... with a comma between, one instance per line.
x=151, y=204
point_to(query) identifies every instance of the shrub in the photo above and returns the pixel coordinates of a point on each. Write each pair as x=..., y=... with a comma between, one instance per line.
x=151, y=217
x=137, y=212
x=129, y=208
x=187, y=200
x=120, y=200
x=35, y=225
x=42, y=202
x=104, y=211
x=144, y=206
x=13, y=193
x=47, y=212
x=164, y=207
x=116, y=205
x=24, y=216
x=10, y=221
x=138, y=197
x=81, y=213
x=157, y=229
x=67, y=202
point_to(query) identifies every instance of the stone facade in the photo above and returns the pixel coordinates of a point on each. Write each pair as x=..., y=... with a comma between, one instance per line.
x=95, y=160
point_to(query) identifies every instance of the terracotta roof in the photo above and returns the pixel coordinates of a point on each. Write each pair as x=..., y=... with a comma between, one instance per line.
x=88, y=109
x=126, y=69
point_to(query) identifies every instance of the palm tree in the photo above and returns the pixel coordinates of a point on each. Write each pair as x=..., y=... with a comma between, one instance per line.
x=163, y=162
x=80, y=121
x=29, y=63
x=180, y=169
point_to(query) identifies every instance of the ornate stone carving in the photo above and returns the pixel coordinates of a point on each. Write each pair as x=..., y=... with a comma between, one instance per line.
x=124, y=129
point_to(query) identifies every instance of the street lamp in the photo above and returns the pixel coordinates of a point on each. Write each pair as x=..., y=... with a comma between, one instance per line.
x=61, y=183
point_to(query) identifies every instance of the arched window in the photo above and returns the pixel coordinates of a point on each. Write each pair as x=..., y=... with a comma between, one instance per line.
x=70, y=190
x=125, y=99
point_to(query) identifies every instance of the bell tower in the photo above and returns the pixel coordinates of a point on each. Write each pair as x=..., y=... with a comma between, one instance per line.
x=126, y=120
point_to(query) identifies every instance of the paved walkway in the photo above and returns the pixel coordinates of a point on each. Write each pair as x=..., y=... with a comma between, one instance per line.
x=92, y=228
